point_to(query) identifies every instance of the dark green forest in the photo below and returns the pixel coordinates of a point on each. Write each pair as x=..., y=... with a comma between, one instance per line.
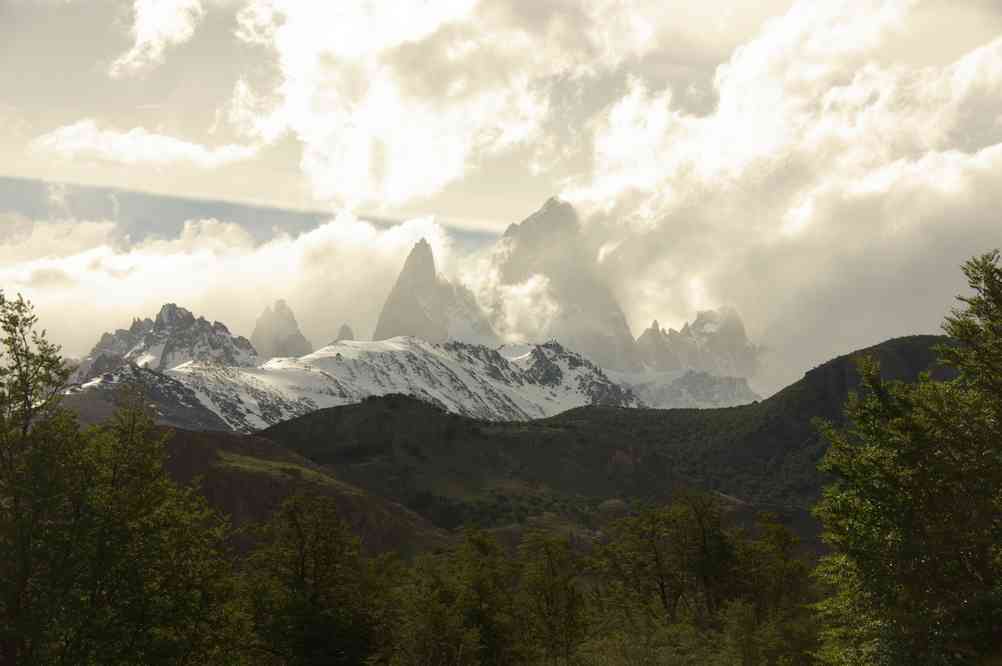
x=393, y=533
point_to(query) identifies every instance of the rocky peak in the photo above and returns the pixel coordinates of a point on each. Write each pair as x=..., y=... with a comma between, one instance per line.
x=277, y=333
x=345, y=333
x=654, y=347
x=140, y=326
x=556, y=217
x=174, y=337
x=419, y=267
x=424, y=305
x=172, y=316
x=714, y=342
x=589, y=319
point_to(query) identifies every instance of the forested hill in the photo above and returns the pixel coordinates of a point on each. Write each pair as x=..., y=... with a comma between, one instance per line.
x=455, y=470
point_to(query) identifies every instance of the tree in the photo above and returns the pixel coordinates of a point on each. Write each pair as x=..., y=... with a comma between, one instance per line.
x=552, y=598
x=769, y=619
x=914, y=516
x=40, y=474
x=458, y=609
x=310, y=588
x=485, y=577
x=661, y=580
x=675, y=560
x=103, y=559
x=428, y=625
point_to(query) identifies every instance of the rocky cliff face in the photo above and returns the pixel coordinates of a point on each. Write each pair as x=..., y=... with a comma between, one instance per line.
x=425, y=305
x=277, y=333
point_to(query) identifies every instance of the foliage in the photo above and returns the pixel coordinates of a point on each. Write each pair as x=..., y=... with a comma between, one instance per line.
x=308, y=588
x=552, y=599
x=103, y=559
x=915, y=515
x=674, y=585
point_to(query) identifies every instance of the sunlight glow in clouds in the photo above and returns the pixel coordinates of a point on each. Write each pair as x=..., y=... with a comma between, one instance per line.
x=365, y=137
x=824, y=171
x=157, y=25
x=331, y=275
x=86, y=140
x=394, y=101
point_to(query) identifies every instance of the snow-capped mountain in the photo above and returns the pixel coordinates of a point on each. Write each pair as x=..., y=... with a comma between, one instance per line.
x=467, y=379
x=174, y=337
x=426, y=305
x=277, y=333
x=715, y=343
x=173, y=402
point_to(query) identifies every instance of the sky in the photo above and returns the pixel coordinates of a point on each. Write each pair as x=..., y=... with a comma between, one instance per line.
x=824, y=166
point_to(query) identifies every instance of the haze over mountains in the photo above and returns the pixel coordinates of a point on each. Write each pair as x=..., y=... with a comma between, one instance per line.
x=434, y=339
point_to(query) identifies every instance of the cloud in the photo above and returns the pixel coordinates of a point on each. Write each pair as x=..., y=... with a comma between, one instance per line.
x=824, y=170
x=23, y=240
x=394, y=102
x=86, y=140
x=367, y=136
x=157, y=25
x=49, y=278
x=520, y=312
x=339, y=272
x=830, y=195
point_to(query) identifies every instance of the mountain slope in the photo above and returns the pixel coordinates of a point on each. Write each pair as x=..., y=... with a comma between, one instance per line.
x=248, y=477
x=453, y=469
x=173, y=403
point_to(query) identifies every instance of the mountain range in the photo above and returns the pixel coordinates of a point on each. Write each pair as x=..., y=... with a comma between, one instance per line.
x=199, y=375
x=472, y=380
x=548, y=247
x=444, y=422
x=435, y=341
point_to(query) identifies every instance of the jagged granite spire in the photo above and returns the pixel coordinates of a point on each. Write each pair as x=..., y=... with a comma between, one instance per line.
x=344, y=333
x=714, y=342
x=425, y=305
x=277, y=333
x=589, y=319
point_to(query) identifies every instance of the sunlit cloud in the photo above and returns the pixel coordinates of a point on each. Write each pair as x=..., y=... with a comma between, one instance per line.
x=825, y=168
x=86, y=140
x=806, y=161
x=157, y=25
x=339, y=272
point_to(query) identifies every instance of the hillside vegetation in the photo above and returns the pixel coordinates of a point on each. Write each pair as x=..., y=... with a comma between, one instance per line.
x=456, y=470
